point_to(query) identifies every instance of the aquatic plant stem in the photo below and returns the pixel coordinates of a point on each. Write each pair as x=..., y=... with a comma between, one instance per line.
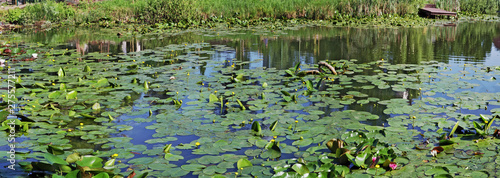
x=295, y=128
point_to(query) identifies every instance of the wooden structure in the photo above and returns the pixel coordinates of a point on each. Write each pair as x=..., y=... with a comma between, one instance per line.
x=430, y=10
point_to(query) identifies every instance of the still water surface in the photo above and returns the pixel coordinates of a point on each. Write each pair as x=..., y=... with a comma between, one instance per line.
x=465, y=43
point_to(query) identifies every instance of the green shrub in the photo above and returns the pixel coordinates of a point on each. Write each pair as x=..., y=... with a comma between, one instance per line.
x=479, y=6
x=15, y=16
x=48, y=10
x=160, y=11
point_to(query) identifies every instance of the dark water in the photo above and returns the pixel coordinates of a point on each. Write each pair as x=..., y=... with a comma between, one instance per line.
x=465, y=43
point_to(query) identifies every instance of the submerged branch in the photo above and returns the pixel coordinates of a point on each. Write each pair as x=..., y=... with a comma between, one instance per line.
x=327, y=65
x=314, y=72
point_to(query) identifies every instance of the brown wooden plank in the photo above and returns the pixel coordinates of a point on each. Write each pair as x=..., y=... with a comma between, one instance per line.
x=430, y=9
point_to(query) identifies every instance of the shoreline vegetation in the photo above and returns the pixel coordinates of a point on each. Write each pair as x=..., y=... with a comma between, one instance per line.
x=151, y=15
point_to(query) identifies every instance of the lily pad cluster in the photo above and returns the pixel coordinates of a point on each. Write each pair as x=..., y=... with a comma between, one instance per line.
x=188, y=110
x=362, y=153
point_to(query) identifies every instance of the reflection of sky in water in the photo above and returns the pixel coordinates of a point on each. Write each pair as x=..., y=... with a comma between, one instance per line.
x=493, y=58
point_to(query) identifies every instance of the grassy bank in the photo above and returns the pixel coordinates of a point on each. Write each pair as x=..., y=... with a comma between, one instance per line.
x=185, y=13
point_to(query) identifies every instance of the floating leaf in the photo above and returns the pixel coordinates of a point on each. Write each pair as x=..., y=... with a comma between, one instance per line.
x=436, y=171
x=71, y=95
x=192, y=167
x=172, y=157
x=300, y=168
x=90, y=161
x=285, y=93
x=73, y=158
x=101, y=175
x=55, y=150
x=54, y=94
x=102, y=83
x=242, y=163
x=110, y=164
x=212, y=98
x=54, y=159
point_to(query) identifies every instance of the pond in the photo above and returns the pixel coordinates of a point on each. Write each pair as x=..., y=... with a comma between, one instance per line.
x=254, y=102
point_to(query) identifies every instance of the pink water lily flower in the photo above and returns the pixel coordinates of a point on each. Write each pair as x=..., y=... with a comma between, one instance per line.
x=393, y=165
x=374, y=159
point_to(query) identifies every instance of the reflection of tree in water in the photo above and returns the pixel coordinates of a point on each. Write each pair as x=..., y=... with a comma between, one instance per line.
x=310, y=45
x=473, y=41
x=398, y=45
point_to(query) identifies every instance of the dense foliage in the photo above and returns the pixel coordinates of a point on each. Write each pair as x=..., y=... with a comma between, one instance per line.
x=110, y=12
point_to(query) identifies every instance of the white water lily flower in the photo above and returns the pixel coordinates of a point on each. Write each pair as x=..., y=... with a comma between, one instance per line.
x=434, y=153
x=35, y=55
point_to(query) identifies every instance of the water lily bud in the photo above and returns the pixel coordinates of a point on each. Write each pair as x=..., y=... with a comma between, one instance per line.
x=393, y=165
x=197, y=143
